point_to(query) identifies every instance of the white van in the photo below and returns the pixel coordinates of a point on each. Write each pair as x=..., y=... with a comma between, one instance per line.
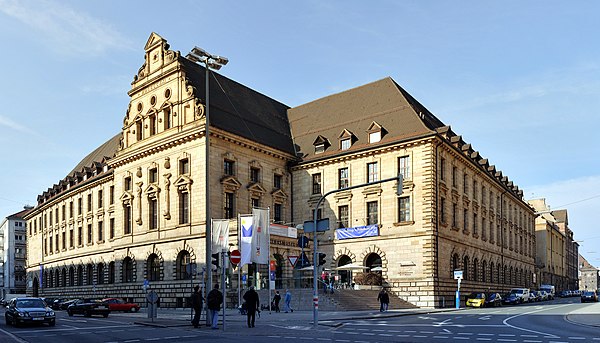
x=549, y=289
x=522, y=293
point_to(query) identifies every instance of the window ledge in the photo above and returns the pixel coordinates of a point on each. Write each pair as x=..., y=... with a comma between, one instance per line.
x=406, y=223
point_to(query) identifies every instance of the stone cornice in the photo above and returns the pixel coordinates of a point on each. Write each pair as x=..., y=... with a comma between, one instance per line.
x=249, y=144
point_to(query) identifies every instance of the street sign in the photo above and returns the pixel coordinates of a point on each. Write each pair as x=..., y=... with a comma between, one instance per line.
x=235, y=257
x=303, y=241
x=152, y=297
x=302, y=261
x=322, y=225
x=146, y=284
x=244, y=279
x=458, y=275
x=293, y=260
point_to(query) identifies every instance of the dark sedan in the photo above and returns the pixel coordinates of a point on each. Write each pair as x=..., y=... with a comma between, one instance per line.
x=590, y=296
x=511, y=299
x=493, y=300
x=89, y=307
x=29, y=311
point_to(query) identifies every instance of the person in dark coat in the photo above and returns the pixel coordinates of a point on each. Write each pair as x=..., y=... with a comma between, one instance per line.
x=213, y=302
x=197, y=305
x=276, y=300
x=252, y=305
x=384, y=299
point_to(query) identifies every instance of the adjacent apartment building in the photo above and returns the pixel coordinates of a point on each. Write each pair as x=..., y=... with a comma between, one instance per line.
x=12, y=254
x=134, y=209
x=589, y=276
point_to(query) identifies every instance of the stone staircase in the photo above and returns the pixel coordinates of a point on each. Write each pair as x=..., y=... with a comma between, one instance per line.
x=363, y=300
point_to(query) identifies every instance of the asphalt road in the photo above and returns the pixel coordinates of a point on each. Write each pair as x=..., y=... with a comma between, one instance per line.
x=546, y=322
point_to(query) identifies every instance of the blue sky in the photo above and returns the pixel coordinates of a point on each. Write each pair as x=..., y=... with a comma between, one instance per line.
x=518, y=79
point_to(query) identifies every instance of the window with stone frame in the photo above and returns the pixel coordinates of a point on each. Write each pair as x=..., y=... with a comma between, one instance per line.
x=127, y=184
x=454, y=215
x=127, y=219
x=111, y=228
x=454, y=176
x=372, y=172
x=184, y=166
x=277, y=181
x=89, y=202
x=404, y=167
x=111, y=195
x=153, y=212
x=127, y=270
x=89, y=234
x=152, y=124
x=183, y=260
x=278, y=213
x=184, y=207
x=153, y=175
x=64, y=240
x=228, y=167
x=475, y=225
x=372, y=212
x=443, y=210
x=71, y=238
x=374, y=137
x=139, y=127
x=465, y=183
x=345, y=143
x=316, y=183
x=80, y=236
x=443, y=168
x=465, y=220
x=89, y=274
x=153, y=268
x=404, y=209
x=100, y=271
x=229, y=208
x=254, y=174
x=71, y=209
x=343, y=178
x=167, y=118
x=475, y=190
x=100, y=199
x=343, y=216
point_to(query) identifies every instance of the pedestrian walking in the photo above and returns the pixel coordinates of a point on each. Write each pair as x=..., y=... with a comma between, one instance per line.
x=384, y=298
x=213, y=302
x=252, y=305
x=196, y=305
x=287, y=300
x=276, y=300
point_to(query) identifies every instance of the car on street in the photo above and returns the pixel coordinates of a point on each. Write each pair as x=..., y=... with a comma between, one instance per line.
x=475, y=299
x=55, y=305
x=29, y=311
x=116, y=304
x=89, y=307
x=65, y=304
x=590, y=296
x=523, y=294
x=534, y=296
x=511, y=299
x=493, y=300
x=544, y=295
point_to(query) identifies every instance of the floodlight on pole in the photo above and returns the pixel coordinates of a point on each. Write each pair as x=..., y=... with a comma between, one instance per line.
x=199, y=55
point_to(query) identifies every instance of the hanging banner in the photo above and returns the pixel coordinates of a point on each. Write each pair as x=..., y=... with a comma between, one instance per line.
x=260, y=236
x=246, y=240
x=220, y=235
x=357, y=232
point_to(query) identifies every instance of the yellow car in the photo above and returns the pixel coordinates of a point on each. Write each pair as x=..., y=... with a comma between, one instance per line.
x=476, y=300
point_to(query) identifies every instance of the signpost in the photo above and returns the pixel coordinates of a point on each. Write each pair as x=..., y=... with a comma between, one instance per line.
x=235, y=257
x=458, y=275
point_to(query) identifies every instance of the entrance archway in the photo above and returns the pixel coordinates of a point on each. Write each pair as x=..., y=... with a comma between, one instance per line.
x=345, y=275
x=373, y=261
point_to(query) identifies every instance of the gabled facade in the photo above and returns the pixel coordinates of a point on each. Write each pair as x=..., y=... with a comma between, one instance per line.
x=589, y=276
x=13, y=235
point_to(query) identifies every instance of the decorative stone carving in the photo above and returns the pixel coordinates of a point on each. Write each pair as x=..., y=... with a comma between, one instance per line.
x=139, y=202
x=167, y=211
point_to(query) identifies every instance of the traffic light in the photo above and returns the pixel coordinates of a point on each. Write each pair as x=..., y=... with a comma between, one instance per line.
x=215, y=260
x=322, y=258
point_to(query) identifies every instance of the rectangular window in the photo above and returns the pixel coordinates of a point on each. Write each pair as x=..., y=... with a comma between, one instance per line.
x=184, y=166
x=127, y=183
x=443, y=169
x=483, y=195
x=454, y=176
x=89, y=234
x=454, y=215
x=465, y=220
x=128, y=220
x=50, y=240
x=372, y=172
x=167, y=118
x=316, y=183
x=475, y=192
x=138, y=130
x=111, y=228
x=319, y=149
x=404, y=167
x=56, y=216
x=100, y=231
x=255, y=203
x=152, y=120
x=184, y=207
x=111, y=195
x=64, y=212
x=71, y=238
x=343, y=180
x=372, y=213
x=254, y=174
x=465, y=184
x=79, y=236
x=153, y=213
x=89, y=202
x=343, y=216
x=345, y=144
x=277, y=216
x=64, y=240
x=277, y=181
x=100, y=199
x=374, y=137
x=228, y=167
x=79, y=206
x=56, y=240
x=71, y=209
x=229, y=206
x=475, y=223
x=443, y=210
x=404, y=209
x=153, y=175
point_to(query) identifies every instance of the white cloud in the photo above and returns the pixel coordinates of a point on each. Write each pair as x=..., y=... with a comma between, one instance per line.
x=70, y=31
x=9, y=123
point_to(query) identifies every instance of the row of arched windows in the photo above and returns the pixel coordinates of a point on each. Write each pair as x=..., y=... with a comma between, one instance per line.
x=106, y=273
x=481, y=271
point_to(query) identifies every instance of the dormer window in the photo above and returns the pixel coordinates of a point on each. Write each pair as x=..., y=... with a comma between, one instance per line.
x=321, y=144
x=376, y=132
x=319, y=149
x=345, y=144
x=346, y=139
x=374, y=137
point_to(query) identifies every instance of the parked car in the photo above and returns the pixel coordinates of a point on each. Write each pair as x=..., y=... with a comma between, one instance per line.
x=522, y=293
x=511, y=299
x=65, y=304
x=28, y=311
x=476, y=299
x=590, y=296
x=563, y=294
x=534, y=296
x=493, y=300
x=88, y=307
x=116, y=304
x=543, y=295
x=55, y=305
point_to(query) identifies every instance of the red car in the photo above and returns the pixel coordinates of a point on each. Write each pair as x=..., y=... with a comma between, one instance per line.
x=116, y=304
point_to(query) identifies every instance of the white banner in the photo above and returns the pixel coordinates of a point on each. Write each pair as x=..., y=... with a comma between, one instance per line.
x=260, y=236
x=220, y=235
x=246, y=239
x=282, y=230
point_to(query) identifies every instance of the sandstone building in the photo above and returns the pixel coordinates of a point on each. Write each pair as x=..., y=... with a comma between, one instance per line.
x=133, y=210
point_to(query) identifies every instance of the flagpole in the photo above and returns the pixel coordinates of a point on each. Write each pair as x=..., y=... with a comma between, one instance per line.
x=239, y=267
x=269, y=252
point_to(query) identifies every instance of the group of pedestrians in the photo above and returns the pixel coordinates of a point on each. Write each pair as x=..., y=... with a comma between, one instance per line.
x=214, y=299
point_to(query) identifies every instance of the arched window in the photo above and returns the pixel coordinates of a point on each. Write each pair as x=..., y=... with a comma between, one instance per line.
x=71, y=276
x=484, y=271
x=476, y=269
x=57, y=278
x=63, y=277
x=89, y=274
x=454, y=264
x=183, y=259
x=466, y=268
x=127, y=270
x=153, y=268
x=79, y=276
x=100, y=270
x=111, y=272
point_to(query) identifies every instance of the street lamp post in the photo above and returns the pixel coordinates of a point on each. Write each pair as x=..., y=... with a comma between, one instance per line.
x=316, y=253
x=215, y=62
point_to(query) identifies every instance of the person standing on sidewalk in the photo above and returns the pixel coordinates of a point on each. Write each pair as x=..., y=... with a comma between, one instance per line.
x=384, y=299
x=276, y=300
x=287, y=301
x=197, y=305
x=213, y=302
x=252, y=305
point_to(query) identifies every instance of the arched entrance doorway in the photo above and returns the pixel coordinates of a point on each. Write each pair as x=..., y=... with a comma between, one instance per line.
x=345, y=278
x=373, y=261
x=36, y=287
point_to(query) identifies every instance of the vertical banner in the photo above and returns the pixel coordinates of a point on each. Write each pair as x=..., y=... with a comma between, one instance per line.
x=220, y=235
x=260, y=236
x=246, y=240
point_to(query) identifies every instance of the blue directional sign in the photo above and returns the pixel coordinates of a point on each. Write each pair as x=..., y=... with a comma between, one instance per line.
x=322, y=225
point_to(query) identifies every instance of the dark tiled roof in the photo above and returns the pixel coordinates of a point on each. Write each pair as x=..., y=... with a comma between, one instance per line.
x=19, y=215
x=108, y=149
x=384, y=102
x=242, y=111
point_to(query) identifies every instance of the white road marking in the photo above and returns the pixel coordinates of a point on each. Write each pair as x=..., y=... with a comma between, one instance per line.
x=483, y=339
x=548, y=335
x=531, y=341
x=441, y=337
x=576, y=337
